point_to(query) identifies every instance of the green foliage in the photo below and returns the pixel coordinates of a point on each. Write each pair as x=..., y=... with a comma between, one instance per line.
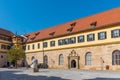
x=15, y=54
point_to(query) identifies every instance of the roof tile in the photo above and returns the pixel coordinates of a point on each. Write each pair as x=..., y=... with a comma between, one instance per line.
x=103, y=18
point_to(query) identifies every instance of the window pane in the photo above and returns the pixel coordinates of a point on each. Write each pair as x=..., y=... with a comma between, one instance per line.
x=52, y=43
x=44, y=44
x=60, y=42
x=88, y=59
x=66, y=41
x=33, y=46
x=61, y=59
x=38, y=45
x=116, y=57
x=73, y=40
x=80, y=38
x=101, y=35
x=90, y=37
x=115, y=33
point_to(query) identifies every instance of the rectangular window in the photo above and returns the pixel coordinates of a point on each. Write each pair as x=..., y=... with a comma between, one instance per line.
x=44, y=44
x=52, y=43
x=90, y=37
x=28, y=47
x=60, y=42
x=101, y=35
x=115, y=33
x=33, y=46
x=8, y=47
x=66, y=41
x=3, y=47
x=81, y=38
x=38, y=45
x=73, y=40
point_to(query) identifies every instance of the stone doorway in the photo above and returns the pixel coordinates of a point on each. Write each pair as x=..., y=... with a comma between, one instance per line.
x=73, y=64
x=73, y=60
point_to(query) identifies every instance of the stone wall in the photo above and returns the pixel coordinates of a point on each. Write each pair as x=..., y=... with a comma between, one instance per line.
x=3, y=59
x=99, y=54
x=37, y=55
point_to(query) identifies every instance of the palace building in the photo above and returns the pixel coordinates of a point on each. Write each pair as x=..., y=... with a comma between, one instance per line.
x=90, y=43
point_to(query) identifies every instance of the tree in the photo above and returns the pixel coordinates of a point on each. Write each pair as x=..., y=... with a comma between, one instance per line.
x=15, y=54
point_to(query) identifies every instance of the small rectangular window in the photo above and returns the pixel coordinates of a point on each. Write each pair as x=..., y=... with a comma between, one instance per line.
x=101, y=35
x=60, y=42
x=81, y=38
x=33, y=46
x=66, y=41
x=115, y=33
x=38, y=45
x=73, y=40
x=28, y=47
x=44, y=44
x=3, y=47
x=90, y=37
x=52, y=43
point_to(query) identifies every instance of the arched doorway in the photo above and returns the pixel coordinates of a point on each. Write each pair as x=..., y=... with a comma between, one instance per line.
x=45, y=65
x=73, y=64
x=73, y=60
x=45, y=59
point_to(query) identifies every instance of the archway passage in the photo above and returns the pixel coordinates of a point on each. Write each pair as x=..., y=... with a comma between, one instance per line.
x=73, y=64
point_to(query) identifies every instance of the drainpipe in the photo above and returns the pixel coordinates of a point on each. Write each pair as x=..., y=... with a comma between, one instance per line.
x=43, y=50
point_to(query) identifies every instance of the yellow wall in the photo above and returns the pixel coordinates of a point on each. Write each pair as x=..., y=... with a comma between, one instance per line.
x=85, y=43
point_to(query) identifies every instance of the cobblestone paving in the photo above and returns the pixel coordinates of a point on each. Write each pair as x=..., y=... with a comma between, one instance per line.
x=54, y=74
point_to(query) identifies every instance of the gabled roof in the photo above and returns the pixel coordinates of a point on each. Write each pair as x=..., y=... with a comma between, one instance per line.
x=5, y=32
x=101, y=19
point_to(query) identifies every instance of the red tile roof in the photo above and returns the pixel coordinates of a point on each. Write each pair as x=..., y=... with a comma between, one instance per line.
x=101, y=19
x=5, y=32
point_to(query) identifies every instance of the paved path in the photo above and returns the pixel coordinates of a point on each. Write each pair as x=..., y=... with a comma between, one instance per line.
x=53, y=74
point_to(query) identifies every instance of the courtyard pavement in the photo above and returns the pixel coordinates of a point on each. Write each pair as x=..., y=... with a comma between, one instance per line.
x=55, y=74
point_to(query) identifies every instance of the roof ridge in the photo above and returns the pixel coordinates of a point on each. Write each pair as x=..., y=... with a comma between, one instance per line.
x=102, y=18
x=75, y=20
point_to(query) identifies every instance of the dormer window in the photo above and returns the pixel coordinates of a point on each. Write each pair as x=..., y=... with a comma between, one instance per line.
x=93, y=25
x=33, y=38
x=71, y=27
x=51, y=34
x=37, y=33
x=69, y=30
x=73, y=24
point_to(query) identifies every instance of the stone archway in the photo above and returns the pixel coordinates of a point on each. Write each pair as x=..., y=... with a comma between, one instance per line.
x=73, y=60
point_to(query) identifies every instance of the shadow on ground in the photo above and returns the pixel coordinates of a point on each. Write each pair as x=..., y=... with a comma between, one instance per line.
x=10, y=75
x=104, y=79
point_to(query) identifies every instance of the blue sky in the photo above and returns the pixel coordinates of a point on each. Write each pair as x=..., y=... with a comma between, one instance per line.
x=24, y=16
